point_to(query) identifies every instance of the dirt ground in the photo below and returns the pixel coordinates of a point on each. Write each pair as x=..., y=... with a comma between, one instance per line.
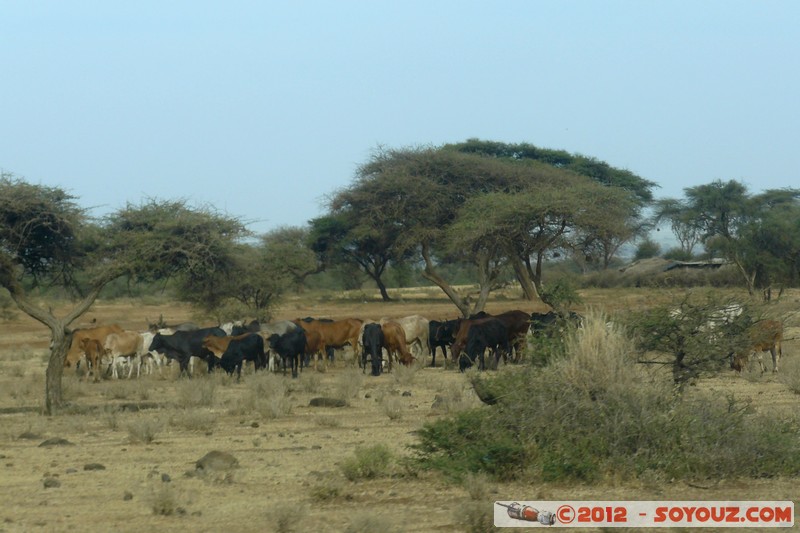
x=289, y=475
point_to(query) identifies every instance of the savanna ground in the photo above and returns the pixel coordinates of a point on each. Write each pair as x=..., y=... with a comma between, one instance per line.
x=294, y=460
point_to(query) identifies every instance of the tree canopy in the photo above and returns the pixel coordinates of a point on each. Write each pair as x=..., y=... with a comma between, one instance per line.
x=45, y=238
x=477, y=203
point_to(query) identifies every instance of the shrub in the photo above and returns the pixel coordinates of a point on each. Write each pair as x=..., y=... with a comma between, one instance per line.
x=144, y=430
x=266, y=395
x=369, y=522
x=327, y=490
x=594, y=414
x=476, y=517
x=646, y=249
x=194, y=420
x=404, y=375
x=164, y=500
x=367, y=462
x=196, y=392
x=348, y=384
x=392, y=407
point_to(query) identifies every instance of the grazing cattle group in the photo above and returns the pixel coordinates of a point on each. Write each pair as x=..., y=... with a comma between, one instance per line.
x=376, y=345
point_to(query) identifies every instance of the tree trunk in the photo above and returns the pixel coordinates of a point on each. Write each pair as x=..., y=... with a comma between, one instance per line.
x=750, y=279
x=529, y=291
x=54, y=398
x=382, y=287
x=431, y=275
x=62, y=337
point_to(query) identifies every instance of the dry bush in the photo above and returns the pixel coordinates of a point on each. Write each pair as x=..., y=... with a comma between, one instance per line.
x=348, y=384
x=15, y=371
x=144, y=430
x=370, y=522
x=476, y=517
x=327, y=490
x=451, y=397
x=287, y=517
x=194, y=420
x=27, y=390
x=109, y=417
x=392, y=406
x=367, y=462
x=164, y=500
x=477, y=486
x=266, y=394
x=789, y=374
x=404, y=375
x=328, y=421
x=197, y=392
x=310, y=382
x=119, y=389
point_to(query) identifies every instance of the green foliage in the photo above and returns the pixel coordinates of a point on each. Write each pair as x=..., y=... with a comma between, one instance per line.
x=755, y=232
x=39, y=230
x=599, y=171
x=594, y=414
x=677, y=254
x=646, y=249
x=560, y=294
x=698, y=331
x=367, y=462
x=467, y=443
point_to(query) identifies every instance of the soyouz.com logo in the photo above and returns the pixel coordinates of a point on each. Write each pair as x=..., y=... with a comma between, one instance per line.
x=644, y=514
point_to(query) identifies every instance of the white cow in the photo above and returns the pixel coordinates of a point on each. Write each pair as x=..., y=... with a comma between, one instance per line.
x=417, y=330
x=124, y=348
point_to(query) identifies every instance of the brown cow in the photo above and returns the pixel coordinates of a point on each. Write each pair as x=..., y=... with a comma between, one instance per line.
x=394, y=340
x=763, y=336
x=315, y=348
x=336, y=333
x=93, y=351
x=517, y=322
x=416, y=328
x=99, y=334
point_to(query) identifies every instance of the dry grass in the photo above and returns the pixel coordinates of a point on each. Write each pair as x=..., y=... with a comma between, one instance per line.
x=144, y=429
x=392, y=407
x=348, y=384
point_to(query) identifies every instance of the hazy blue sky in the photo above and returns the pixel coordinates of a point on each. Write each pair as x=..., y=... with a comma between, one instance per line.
x=263, y=108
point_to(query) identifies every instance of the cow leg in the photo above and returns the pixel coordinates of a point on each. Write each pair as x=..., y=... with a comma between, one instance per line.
x=95, y=362
x=761, y=362
x=776, y=357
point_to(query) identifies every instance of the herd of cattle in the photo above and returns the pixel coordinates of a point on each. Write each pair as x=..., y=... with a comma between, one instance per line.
x=111, y=350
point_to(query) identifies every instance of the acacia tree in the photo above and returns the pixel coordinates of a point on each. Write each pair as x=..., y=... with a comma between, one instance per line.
x=45, y=238
x=738, y=225
x=491, y=211
x=682, y=222
x=346, y=238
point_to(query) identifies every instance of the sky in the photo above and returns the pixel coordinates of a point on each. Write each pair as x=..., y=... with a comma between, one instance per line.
x=264, y=109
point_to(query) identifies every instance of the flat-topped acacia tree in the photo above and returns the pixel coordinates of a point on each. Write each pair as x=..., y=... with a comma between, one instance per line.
x=46, y=239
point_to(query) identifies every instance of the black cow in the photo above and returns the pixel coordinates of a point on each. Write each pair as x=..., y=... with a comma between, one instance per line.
x=181, y=345
x=492, y=334
x=291, y=346
x=441, y=334
x=249, y=348
x=372, y=339
x=552, y=322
